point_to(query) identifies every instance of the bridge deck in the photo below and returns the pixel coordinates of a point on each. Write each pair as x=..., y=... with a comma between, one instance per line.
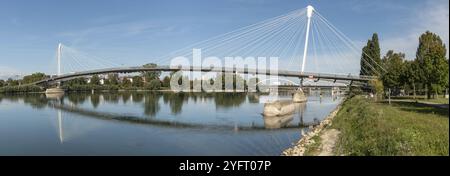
x=283, y=73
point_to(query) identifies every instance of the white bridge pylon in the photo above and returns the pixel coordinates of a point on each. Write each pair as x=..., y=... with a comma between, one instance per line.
x=309, y=13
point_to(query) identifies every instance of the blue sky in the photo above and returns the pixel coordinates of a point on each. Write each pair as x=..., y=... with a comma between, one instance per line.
x=133, y=32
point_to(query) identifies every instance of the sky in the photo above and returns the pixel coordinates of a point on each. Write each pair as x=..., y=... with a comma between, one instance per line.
x=133, y=32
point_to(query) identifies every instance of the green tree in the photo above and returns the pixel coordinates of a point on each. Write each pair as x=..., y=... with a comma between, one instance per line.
x=33, y=78
x=76, y=82
x=12, y=82
x=138, y=82
x=377, y=86
x=2, y=83
x=95, y=80
x=154, y=85
x=431, y=57
x=394, y=65
x=410, y=76
x=371, y=57
x=151, y=75
x=126, y=83
x=113, y=79
x=166, y=81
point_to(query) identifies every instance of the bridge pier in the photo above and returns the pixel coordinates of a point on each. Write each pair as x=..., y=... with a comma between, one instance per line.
x=54, y=91
x=278, y=108
x=299, y=96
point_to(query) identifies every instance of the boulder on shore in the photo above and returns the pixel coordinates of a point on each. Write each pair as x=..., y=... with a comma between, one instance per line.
x=299, y=96
x=279, y=108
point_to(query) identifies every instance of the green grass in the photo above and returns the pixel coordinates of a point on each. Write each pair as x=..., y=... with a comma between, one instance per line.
x=313, y=149
x=439, y=99
x=403, y=128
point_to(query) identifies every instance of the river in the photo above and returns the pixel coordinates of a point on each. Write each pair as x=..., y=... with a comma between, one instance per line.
x=152, y=123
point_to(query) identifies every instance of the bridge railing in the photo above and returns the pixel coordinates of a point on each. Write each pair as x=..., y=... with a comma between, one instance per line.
x=284, y=73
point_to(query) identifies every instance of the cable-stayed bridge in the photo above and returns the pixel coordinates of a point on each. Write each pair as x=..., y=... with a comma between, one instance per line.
x=307, y=45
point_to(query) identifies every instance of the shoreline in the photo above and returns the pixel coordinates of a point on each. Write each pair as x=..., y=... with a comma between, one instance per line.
x=300, y=147
x=131, y=90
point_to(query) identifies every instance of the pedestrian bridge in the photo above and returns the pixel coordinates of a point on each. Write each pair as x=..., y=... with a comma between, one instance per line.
x=282, y=73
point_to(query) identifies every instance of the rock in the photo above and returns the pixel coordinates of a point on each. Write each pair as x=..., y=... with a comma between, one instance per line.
x=300, y=147
x=299, y=96
x=278, y=108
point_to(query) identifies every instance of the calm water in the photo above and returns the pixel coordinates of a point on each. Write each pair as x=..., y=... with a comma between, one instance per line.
x=151, y=124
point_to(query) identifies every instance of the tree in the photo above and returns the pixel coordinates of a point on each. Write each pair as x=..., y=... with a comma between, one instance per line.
x=76, y=81
x=95, y=80
x=12, y=82
x=410, y=75
x=166, y=81
x=377, y=86
x=153, y=85
x=137, y=81
x=151, y=75
x=2, y=83
x=33, y=78
x=126, y=83
x=371, y=57
x=393, y=63
x=113, y=79
x=431, y=57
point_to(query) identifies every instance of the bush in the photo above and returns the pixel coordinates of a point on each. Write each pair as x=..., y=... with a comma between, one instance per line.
x=153, y=85
x=21, y=89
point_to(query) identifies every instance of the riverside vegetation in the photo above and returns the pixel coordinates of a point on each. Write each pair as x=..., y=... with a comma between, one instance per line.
x=416, y=122
x=370, y=128
x=402, y=128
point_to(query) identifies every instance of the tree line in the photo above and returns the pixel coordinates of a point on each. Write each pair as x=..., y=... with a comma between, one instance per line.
x=426, y=74
x=149, y=80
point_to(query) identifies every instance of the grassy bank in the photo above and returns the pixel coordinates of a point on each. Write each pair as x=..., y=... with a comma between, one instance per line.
x=402, y=128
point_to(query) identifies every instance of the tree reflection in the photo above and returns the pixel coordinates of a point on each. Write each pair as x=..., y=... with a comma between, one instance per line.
x=76, y=98
x=253, y=98
x=228, y=100
x=151, y=104
x=137, y=97
x=175, y=101
x=37, y=101
x=95, y=100
x=125, y=97
x=112, y=97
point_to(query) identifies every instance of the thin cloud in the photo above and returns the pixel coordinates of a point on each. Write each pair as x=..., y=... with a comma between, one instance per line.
x=116, y=31
x=434, y=17
x=8, y=72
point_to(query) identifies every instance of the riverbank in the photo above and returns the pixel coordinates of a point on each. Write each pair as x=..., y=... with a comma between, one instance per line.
x=367, y=128
x=315, y=137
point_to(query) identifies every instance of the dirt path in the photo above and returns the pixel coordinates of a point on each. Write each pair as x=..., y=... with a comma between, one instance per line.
x=328, y=141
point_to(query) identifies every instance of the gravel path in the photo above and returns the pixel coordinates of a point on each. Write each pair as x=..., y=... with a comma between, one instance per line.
x=328, y=141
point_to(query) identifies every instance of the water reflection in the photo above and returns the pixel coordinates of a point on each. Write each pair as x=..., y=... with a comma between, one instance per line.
x=95, y=100
x=151, y=104
x=187, y=120
x=275, y=115
x=275, y=122
x=280, y=114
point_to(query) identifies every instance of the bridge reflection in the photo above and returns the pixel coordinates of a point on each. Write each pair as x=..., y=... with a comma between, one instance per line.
x=269, y=122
